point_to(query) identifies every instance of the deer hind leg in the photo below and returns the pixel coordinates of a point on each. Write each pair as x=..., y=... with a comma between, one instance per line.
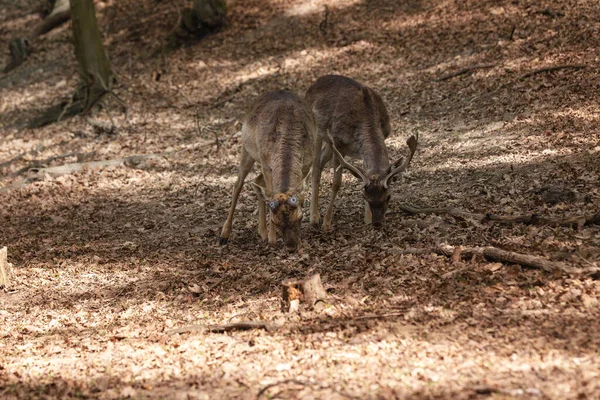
x=368, y=215
x=262, y=210
x=246, y=164
x=337, y=183
x=326, y=155
x=315, y=218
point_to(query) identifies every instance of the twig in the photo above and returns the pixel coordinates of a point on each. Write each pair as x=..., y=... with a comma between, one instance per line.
x=464, y=71
x=304, y=384
x=552, y=69
x=241, y=326
x=36, y=150
x=323, y=25
x=388, y=315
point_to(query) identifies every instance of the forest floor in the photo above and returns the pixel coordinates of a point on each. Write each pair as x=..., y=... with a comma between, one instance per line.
x=107, y=261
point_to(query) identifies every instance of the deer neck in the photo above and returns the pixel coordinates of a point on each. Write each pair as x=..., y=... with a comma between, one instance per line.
x=374, y=153
x=287, y=168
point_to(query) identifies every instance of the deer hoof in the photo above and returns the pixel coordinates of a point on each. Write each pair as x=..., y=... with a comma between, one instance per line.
x=223, y=241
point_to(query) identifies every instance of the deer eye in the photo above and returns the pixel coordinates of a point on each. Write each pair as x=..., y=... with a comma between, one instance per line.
x=293, y=200
x=273, y=204
x=389, y=197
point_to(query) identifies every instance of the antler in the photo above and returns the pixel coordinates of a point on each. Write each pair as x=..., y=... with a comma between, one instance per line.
x=357, y=172
x=412, y=143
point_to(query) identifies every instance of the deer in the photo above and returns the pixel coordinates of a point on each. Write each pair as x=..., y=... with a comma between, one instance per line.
x=278, y=133
x=352, y=120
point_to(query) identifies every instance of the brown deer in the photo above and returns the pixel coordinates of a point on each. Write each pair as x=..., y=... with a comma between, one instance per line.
x=278, y=133
x=353, y=121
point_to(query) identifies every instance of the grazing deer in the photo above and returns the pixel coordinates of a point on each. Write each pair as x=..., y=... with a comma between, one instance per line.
x=353, y=121
x=278, y=133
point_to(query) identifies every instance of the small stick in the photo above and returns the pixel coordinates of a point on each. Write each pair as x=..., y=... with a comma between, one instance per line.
x=464, y=71
x=325, y=23
x=552, y=69
x=242, y=326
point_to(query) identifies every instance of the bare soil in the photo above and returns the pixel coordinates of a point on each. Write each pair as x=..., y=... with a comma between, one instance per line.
x=108, y=260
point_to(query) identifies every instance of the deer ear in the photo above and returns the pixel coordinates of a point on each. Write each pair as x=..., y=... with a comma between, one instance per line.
x=261, y=191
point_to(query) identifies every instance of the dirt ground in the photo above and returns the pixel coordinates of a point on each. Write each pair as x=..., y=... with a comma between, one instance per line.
x=108, y=260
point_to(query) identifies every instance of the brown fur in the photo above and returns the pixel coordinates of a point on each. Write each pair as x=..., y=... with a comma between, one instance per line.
x=278, y=133
x=357, y=120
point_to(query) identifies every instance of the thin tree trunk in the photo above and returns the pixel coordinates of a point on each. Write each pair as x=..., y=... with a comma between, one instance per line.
x=94, y=68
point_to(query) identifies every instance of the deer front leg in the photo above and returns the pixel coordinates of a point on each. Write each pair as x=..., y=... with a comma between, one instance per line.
x=337, y=183
x=262, y=211
x=246, y=164
x=368, y=214
x=316, y=178
x=268, y=177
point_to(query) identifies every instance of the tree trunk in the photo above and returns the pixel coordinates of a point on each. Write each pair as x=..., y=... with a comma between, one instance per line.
x=94, y=68
x=20, y=47
x=59, y=15
x=205, y=17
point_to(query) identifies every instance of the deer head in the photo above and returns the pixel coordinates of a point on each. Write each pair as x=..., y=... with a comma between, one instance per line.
x=286, y=214
x=376, y=189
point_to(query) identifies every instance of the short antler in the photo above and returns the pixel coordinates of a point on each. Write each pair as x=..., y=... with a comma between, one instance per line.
x=412, y=143
x=357, y=172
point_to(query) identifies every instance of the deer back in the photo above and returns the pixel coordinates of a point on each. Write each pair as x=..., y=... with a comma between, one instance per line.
x=356, y=118
x=279, y=134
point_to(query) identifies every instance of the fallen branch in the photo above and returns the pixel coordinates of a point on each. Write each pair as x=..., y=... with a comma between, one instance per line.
x=551, y=69
x=40, y=173
x=314, y=386
x=495, y=254
x=36, y=165
x=239, y=326
x=528, y=219
x=464, y=71
x=13, y=160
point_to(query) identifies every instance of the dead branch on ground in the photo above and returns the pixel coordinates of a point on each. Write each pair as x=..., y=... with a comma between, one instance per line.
x=527, y=219
x=314, y=386
x=509, y=257
x=463, y=71
x=552, y=69
x=239, y=326
x=36, y=165
x=19, y=157
x=131, y=161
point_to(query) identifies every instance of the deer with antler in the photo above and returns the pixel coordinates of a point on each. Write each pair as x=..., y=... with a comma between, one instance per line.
x=352, y=121
x=278, y=133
